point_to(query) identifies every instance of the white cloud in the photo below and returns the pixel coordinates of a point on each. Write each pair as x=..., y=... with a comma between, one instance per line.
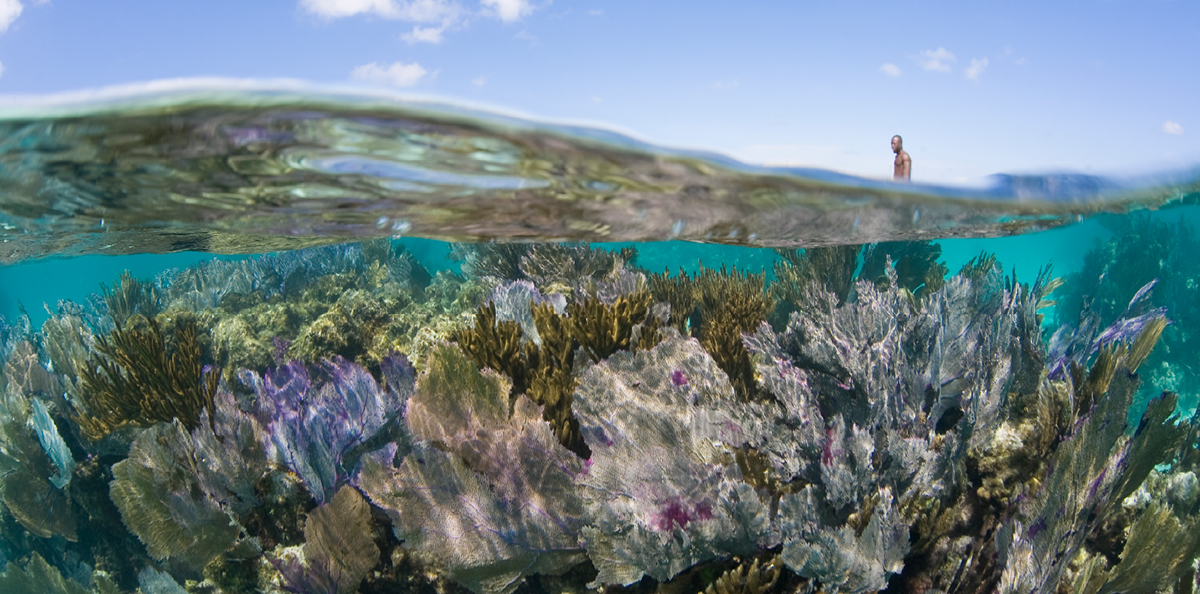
x=398, y=74
x=1, y=69
x=596, y=99
x=726, y=85
x=417, y=11
x=9, y=11
x=976, y=68
x=509, y=10
x=479, y=81
x=423, y=35
x=938, y=59
x=596, y=11
x=1172, y=128
x=890, y=70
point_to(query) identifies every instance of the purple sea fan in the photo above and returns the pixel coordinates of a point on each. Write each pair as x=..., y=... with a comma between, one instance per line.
x=311, y=427
x=487, y=496
x=659, y=493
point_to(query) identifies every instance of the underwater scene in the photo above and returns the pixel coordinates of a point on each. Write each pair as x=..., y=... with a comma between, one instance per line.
x=268, y=341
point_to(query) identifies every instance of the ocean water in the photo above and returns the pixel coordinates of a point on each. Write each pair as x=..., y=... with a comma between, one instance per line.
x=271, y=341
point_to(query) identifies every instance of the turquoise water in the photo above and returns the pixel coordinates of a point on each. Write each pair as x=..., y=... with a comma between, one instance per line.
x=278, y=342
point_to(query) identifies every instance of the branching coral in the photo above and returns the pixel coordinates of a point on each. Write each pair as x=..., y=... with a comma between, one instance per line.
x=882, y=399
x=546, y=372
x=831, y=267
x=679, y=292
x=732, y=304
x=603, y=329
x=917, y=268
x=552, y=267
x=1145, y=248
x=131, y=296
x=753, y=578
x=139, y=382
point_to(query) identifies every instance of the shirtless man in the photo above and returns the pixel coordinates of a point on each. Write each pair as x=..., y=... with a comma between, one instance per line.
x=903, y=170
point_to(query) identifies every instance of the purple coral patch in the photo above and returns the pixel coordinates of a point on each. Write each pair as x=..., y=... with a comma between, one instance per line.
x=676, y=514
x=1036, y=528
x=678, y=378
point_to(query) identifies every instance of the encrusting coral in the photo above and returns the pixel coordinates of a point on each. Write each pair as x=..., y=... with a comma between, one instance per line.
x=138, y=381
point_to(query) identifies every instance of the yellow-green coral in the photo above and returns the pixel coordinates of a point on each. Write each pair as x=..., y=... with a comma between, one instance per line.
x=732, y=303
x=545, y=373
x=130, y=296
x=604, y=329
x=832, y=267
x=139, y=382
x=679, y=292
x=752, y=578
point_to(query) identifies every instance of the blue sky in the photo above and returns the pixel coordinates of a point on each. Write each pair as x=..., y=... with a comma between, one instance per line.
x=1107, y=87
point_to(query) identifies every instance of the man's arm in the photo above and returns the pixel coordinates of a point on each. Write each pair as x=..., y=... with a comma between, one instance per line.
x=906, y=167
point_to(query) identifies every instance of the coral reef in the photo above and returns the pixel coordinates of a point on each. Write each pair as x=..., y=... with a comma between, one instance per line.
x=732, y=304
x=678, y=292
x=915, y=263
x=661, y=494
x=747, y=579
x=131, y=296
x=861, y=423
x=183, y=492
x=830, y=267
x=551, y=267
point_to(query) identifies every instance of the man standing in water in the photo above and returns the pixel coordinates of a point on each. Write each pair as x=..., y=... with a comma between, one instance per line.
x=903, y=170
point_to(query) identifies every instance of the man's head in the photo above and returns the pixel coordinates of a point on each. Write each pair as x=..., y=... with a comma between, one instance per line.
x=897, y=143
